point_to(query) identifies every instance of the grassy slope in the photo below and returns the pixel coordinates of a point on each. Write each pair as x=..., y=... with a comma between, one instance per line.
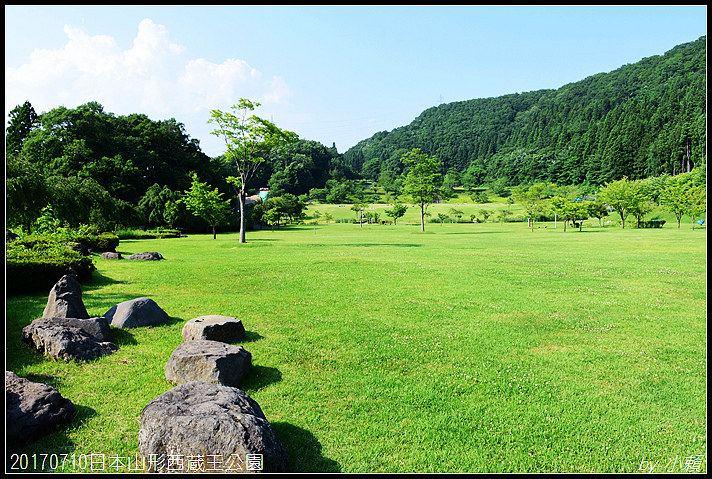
x=472, y=348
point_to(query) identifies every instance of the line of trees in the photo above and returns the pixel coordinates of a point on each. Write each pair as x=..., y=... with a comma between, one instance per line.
x=93, y=167
x=684, y=194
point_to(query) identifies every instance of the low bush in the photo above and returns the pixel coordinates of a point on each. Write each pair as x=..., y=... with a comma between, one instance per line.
x=157, y=233
x=652, y=224
x=98, y=242
x=37, y=262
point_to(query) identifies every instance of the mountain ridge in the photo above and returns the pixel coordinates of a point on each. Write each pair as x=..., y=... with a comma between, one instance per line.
x=639, y=120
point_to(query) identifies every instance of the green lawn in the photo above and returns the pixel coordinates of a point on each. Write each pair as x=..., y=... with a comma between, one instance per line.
x=467, y=348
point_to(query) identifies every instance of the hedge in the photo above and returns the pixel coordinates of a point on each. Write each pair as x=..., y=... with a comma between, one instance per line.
x=36, y=263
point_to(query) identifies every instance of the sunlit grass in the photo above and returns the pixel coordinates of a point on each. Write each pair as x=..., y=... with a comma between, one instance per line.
x=470, y=348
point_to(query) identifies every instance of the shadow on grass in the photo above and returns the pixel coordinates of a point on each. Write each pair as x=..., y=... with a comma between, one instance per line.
x=304, y=450
x=55, y=442
x=399, y=245
x=251, y=337
x=476, y=233
x=20, y=354
x=99, y=280
x=260, y=377
x=122, y=337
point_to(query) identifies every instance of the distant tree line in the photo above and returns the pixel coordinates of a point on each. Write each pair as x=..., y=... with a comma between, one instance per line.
x=642, y=120
x=93, y=167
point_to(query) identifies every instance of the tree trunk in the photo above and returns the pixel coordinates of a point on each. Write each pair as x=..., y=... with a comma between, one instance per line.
x=241, y=198
x=214, y=235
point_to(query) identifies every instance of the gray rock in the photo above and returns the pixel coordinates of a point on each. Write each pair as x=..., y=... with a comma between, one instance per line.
x=206, y=418
x=136, y=313
x=79, y=248
x=33, y=409
x=147, y=256
x=96, y=327
x=208, y=361
x=68, y=338
x=214, y=328
x=110, y=255
x=65, y=300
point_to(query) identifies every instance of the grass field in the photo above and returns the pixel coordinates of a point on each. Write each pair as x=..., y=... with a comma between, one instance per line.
x=467, y=348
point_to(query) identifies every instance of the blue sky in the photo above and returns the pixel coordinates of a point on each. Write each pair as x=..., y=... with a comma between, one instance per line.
x=330, y=74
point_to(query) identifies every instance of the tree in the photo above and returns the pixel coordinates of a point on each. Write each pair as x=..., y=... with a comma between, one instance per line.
x=423, y=181
x=696, y=198
x=26, y=192
x=640, y=202
x=23, y=120
x=158, y=205
x=359, y=207
x=618, y=195
x=531, y=199
x=272, y=217
x=674, y=198
x=248, y=140
x=396, y=212
x=456, y=213
x=206, y=203
x=597, y=209
x=566, y=209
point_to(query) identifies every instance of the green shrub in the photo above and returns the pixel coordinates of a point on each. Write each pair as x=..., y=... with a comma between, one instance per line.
x=652, y=224
x=157, y=233
x=98, y=242
x=37, y=262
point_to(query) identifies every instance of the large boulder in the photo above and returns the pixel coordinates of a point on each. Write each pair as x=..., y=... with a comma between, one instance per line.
x=65, y=300
x=209, y=419
x=146, y=256
x=208, y=361
x=136, y=313
x=214, y=328
x=70, y=338
x=110, y=255
x=33, y=409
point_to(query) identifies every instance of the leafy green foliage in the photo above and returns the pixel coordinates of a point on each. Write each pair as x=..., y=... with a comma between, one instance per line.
x=37, y=262
x=23, y=119
x=95, y=167
x=423, y=181
x=640, y=120
x=206, y=203
x=248, y=140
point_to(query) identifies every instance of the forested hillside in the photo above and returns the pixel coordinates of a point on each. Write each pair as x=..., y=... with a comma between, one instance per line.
x=643, y=119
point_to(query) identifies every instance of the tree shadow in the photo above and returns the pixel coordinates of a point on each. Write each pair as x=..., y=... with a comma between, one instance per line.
x=99, y=280
x=304, y=450
x=399, y=245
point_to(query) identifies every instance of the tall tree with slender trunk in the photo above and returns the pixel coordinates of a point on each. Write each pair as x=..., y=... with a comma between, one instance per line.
x=248, y=140
x=424, y=182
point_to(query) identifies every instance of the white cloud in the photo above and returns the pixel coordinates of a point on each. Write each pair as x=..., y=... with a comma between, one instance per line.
x=278, y=91
x=155, y=77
